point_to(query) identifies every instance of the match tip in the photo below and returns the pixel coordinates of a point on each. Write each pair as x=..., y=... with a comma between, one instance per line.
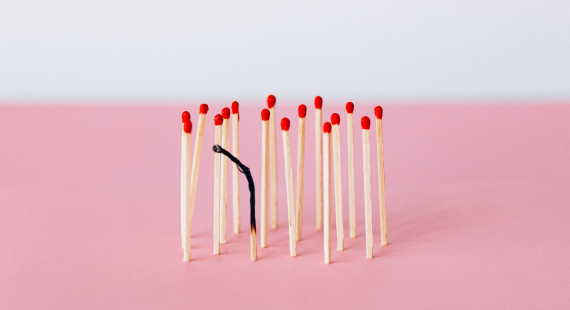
x=235, y=107
x=188, y=127
x=327, y=127
x=335, y=119
x=218, y=119
x=349, y=107
x=226, y=113
x=185, y=117
x=217, y=148
x=271, y=101
x=204, y=108
x=302, y=111
x=265, y=114
x=285, y=123
x=365, y=122
x=378, y=111
x=318, y=102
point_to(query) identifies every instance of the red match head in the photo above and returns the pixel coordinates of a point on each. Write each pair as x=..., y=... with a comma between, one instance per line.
x=185, y=117
x=226, y=113
x=204, y=108
x=318, y=102
x=302, y=111
x=265, y=114
x=271, y=101
x=218, y=119
x=285, y=123
x=335, y=119
x=365, y=122
x=378, y=112
x=327, y=127
x=235, y=107
x=188, y=127
x=349, y=107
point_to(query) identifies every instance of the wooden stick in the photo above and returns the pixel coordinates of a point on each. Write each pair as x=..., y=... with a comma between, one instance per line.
x=186, y=172
x=264, y=174
x=194, y=178
x=319, y=161
x=224, y=176
x=327, y=189
x=182, y=181
x=300, y=168
x=273, y=159
x=235, y=172
x=365, y=122
x=335, y=120
x=380, y=147
x=217, y=165
x=289, y=182
x=351, y=194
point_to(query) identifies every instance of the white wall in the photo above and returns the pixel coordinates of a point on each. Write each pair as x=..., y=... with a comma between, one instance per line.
x=225, y=50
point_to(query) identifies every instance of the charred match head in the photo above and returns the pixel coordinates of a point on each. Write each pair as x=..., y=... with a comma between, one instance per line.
x=217, y=148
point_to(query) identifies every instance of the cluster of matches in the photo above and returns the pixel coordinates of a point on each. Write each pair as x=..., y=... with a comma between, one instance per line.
x=323, y=168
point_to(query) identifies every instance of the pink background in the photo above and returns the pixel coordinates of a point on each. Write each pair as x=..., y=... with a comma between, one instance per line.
x=477, y=204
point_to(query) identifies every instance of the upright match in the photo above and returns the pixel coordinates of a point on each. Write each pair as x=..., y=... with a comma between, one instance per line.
x=300, y=168
x=218, y=120
x=335, y=120
x=194, y=177
x=264, y=174
x=289, y=182
x=224, y=176
x=327, y=189
x=235, y=172
x=350, y=143
x=319, y=161
x=365, y=122
x=186, y=175
x=273, y=158
x=380, y=147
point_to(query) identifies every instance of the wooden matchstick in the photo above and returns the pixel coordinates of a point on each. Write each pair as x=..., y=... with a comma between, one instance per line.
x=327, y=189
x=319, y=161
x=365, y=122
x=380, y=148
x=289, y=182
x=335, y=121
x=224, y=176
x=235, y=172
x=186, y=169
x=300, y=168
x=273, y=158
x=194, y=178
x=350, y=143
x=264, y=173
x=218, y=119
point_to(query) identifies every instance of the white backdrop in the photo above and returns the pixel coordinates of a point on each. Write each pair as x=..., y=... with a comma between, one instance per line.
x=154, y=50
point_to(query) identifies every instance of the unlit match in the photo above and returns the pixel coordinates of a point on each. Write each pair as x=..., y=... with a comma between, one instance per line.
x=319, y=161
x=335, y=121
x=264, y=174
x=218, y=120
x=224, y=176
x=300, y=168
x=365, y=122
x=289, y=183
x=327, y=190
x=350, y=144
x=378, y=112
x=235, y=172
x=273, y=159
x=186, y=188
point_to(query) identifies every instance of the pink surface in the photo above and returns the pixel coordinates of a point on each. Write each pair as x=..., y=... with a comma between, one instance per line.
x=478, y=205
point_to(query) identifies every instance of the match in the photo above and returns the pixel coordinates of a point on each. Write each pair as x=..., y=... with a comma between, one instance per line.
x=264, y=174
x=350, y=144
x=380, y=148
x=335, y=121
x=273, y=159
x=319, y=161
x=218, y=120
x=186, y=175
x=327, y=189
x=365, y=122
x=289, y=183
x=235, y=172
x=224, y=176
x=300, y=168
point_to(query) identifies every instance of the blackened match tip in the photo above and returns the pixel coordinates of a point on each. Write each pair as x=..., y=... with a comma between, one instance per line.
x=217, y=148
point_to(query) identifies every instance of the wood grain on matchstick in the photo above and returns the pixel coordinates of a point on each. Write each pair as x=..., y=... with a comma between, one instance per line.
x=351, y=194
x=264, y=174
x=273, y=158
x=327, y=190
x=289, y=183
x=319, y=162
x=300, y=168
x=378, y=112
x=365, y=122
x=235, y=172
x=335, y=121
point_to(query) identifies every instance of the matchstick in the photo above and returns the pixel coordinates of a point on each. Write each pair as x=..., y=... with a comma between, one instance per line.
x=218, y=119
x=264, y=173
x=186, y=169
x=224, y=176
x=300, y=168
x=319, y=161
x=235, y=172
x=380, y=147
x=335, y=120
x=273, y=159
x=365, y=122
x=194, y=178
x=289, y=182
x=350, y=143
x=327, y=189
